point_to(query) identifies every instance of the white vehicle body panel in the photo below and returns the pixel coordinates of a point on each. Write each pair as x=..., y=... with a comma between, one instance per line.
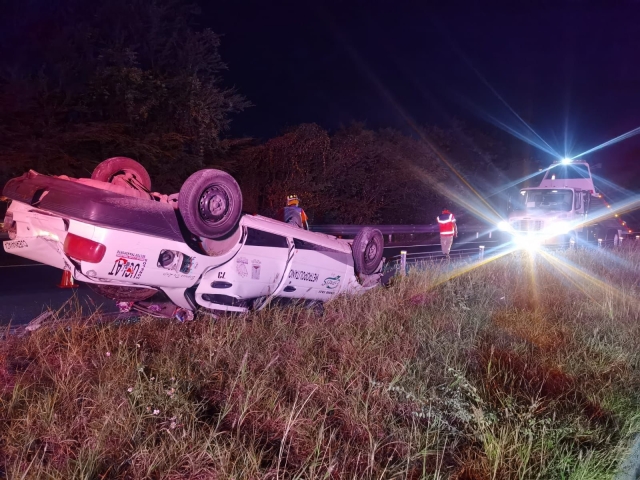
x=263, y=259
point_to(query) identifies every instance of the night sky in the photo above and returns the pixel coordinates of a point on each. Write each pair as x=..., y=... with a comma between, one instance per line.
x=570, y=68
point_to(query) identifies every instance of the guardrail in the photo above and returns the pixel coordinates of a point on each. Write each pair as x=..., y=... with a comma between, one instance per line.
x=399, y=264
x=352, y=230
x=491, y=248
x=406, y=257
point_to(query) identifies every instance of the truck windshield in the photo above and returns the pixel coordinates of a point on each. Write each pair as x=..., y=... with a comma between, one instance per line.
x=561, y=200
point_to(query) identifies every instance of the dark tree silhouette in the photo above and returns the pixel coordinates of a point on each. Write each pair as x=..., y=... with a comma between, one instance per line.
x=356, y=175
x=83, y=81
x=88, y=80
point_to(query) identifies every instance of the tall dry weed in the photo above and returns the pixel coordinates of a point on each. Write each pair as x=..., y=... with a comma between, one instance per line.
x=523, y=367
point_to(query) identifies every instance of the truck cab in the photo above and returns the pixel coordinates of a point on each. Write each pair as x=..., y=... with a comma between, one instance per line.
x=558, y=210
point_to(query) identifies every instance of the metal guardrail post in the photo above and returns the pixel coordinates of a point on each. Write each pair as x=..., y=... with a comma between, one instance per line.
x=490, y=234
x=600, y=242
x=572, y=242
x=403, y=263
x=390, y=238
x=477, y=234
x=481, y=252
x=619, y=241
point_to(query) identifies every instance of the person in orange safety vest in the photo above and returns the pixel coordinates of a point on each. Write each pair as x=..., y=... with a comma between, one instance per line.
x=448, y=229
x=293, y=214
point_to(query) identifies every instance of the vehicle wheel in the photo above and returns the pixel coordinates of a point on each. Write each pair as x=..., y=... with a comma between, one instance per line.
x=368, y=248
x=108, y=169
x=612, y=238
x=210, y=203
x=123, y=294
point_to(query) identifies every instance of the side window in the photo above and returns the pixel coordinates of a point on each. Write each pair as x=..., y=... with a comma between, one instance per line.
x=261, y=238
x=578, y=201
x=303, y=245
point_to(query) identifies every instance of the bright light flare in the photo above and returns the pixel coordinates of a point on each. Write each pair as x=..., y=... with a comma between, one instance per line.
x=504, y=226
x=530, y=244
x=566, y=161
x=619, y=138
x=559, y=228
x=533, y=242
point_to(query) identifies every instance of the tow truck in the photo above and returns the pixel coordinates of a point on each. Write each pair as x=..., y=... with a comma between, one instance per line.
x=563, y=210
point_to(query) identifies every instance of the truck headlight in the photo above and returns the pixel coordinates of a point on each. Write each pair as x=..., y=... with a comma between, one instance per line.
x=504, y=226
x=526, y=242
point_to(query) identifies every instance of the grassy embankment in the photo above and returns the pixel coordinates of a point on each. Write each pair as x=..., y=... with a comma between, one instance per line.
x=519, y=368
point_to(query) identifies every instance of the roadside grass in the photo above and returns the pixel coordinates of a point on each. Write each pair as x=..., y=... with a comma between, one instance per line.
x=521, y=368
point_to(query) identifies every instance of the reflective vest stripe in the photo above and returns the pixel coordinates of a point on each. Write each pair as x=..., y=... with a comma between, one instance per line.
x=445, y=221
x=447, y=226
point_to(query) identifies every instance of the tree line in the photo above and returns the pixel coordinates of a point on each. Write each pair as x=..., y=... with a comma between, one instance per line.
x=85, y=81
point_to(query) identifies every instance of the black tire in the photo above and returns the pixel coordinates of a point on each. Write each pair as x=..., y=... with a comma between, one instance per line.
x=123, y=294
x=210, y=203
x=368, y=248
x=108, y=169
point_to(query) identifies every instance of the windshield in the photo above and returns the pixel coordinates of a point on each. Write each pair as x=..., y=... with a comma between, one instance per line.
x=567, y=172
x=560, y=200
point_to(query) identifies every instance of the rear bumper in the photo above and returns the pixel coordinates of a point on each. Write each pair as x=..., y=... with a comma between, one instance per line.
x=95, y=206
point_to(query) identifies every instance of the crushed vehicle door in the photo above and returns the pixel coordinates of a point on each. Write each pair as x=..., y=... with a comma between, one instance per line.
x=317, y=272
x=256, y=271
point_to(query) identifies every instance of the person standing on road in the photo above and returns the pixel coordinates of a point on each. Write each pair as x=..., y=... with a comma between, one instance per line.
x=293, y=214
x=448, y=228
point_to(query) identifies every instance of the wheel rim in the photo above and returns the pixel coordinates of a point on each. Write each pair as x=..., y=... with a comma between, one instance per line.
x=370, y=252
x=213, y=204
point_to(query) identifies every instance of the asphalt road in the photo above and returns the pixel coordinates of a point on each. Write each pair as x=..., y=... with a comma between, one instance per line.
x=28, y=288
